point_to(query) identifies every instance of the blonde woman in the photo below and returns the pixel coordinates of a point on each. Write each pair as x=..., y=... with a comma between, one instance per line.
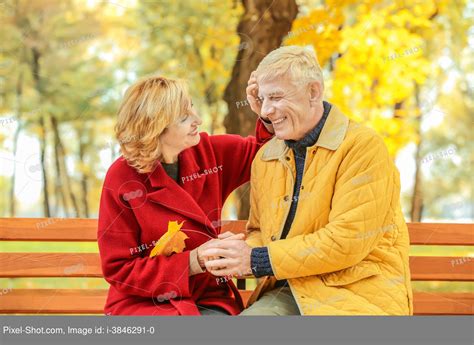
x=170, y=176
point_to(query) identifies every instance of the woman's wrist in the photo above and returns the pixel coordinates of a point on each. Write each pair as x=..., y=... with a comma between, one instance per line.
x=195, y=266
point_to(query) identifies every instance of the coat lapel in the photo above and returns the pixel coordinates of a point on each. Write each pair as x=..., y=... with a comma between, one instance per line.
x=178, y=197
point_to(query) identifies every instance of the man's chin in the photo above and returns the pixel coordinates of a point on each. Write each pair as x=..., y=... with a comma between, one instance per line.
x=282, y=135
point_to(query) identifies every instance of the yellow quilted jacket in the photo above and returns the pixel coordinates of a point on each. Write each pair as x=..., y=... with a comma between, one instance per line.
x=347, y=250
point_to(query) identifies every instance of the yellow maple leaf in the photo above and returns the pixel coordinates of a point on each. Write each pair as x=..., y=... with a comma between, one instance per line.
x=171, y=242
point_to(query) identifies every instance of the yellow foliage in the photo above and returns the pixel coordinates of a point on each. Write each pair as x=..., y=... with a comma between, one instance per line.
x=378, y=58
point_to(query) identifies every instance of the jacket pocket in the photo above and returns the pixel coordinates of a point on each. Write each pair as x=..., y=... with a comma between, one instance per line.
x=362, y=270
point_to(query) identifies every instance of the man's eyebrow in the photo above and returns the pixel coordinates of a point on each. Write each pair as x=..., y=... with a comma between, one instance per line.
x=273, y=93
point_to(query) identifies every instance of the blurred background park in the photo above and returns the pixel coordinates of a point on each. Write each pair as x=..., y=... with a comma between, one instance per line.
x=404, y=68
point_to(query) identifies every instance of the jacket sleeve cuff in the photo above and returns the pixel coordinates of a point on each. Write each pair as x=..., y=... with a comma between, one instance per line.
x=260, y=262
x=262, y=133
x=194, y=267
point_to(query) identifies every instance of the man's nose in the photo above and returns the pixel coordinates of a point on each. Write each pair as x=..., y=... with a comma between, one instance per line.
x=267, y=108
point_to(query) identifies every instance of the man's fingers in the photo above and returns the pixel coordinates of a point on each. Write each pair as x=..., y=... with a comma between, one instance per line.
x=223, y=272
x=219, y=263
x=228, y=243
x=216, y=252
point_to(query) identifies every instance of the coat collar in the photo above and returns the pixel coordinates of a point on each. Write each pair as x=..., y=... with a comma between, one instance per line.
x=331, y=136
x=179, y=197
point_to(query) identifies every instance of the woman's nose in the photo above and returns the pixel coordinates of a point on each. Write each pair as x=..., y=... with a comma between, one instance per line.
x=197, y=119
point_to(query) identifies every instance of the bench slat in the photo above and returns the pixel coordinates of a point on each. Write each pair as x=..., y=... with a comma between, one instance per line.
x=50, y=265
x=81, y=301
x=88, y=265
x=85, y=230
x=442, y=268
x=48, y=229
x=447, y=234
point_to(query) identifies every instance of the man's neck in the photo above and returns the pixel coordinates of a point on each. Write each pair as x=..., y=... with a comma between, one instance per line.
x=316, y=116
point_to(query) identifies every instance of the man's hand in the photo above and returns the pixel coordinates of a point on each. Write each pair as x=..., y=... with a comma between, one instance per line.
x=255, y=102
x=202, y=257
x=233, y=257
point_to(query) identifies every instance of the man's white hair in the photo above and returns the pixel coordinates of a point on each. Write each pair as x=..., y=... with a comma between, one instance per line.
x=299, y=63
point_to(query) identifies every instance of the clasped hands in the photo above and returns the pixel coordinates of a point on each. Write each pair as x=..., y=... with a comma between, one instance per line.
x=227, y=255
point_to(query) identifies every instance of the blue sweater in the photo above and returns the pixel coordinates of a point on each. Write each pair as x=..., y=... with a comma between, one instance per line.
x=260, y=261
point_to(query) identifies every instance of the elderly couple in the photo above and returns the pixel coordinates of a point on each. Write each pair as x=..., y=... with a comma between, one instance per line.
x=325, y=235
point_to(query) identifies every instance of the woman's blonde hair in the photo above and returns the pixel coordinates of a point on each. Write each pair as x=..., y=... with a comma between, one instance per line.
x=300, y=63
x=149, y=106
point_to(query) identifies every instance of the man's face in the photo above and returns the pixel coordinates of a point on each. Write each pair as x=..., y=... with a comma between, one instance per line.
x=287, y=106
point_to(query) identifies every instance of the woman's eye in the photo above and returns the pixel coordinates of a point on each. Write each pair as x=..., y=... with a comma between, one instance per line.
x=184, y=118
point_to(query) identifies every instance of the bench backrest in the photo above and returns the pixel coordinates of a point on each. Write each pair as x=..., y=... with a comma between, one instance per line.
x=87, y=301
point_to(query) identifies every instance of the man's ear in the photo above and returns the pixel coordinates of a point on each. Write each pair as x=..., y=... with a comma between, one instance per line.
x=315, y=92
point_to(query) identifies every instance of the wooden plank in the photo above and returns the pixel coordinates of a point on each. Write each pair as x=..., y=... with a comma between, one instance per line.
x=88, y=265
x=82, y=301
x=235, y=226
x=441, y=234
x=50, y=265
x=48, y=229
x=80, y=229
x=442, y=268
x=50, y=301
x=443, y=303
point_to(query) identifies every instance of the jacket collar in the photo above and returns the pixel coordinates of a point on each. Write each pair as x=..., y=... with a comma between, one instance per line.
x=331, y=136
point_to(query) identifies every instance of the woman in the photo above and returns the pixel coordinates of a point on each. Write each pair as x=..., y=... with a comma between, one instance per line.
x=169, y=176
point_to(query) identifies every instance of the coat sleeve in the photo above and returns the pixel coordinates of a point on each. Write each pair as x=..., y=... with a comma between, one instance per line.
x=236, y=154
x=254, y=235
x=118, y=234
x=360, y=215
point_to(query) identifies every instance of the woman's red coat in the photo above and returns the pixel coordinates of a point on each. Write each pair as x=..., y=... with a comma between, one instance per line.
x=134, y=213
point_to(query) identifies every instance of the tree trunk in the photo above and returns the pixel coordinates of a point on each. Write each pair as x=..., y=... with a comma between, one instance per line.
x=63, y=183
x=417, y=197
x=16, y=135
x=84, y=184
x=61, y=159
x=46, y=209
x=35, y=71
x=262, y=28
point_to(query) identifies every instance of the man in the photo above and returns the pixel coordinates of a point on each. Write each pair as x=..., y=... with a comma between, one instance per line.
x=326, y=233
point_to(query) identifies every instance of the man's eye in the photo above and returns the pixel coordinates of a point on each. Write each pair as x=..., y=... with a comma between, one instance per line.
x=275, y=98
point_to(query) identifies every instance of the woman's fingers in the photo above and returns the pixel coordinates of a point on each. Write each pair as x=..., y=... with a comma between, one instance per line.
x=231, y=236
x=225, y=235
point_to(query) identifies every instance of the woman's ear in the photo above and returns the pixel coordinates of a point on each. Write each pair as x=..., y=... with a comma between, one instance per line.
x=315, y=92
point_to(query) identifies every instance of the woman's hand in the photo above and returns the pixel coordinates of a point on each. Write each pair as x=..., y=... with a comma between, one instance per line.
x=255, y=102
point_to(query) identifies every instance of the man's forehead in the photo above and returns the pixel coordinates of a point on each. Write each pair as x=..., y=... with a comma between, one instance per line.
x=272, y=88
x=275, y=86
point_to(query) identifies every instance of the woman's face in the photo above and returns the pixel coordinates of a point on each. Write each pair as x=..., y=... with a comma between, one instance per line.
x=180, y=135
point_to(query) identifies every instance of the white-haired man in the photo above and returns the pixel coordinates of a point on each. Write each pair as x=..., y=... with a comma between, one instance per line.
x=326, y=233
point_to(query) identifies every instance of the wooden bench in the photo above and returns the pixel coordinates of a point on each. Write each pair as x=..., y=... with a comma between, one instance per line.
x=88, y=301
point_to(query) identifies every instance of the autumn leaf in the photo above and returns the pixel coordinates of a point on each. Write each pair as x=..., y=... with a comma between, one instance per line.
x=171, y=242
